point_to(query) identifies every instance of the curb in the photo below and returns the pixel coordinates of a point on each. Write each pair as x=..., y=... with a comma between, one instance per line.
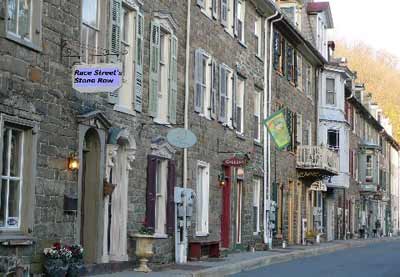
x=252, y=264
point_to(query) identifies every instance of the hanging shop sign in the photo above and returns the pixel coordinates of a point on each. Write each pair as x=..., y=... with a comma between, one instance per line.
x=276, y=125
x=91, y=78
x=234, y=161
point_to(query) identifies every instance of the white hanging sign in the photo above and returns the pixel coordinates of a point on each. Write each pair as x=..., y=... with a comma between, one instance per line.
x=91, y=78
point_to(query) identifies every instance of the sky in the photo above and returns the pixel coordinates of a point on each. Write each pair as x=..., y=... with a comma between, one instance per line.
x=374, y=22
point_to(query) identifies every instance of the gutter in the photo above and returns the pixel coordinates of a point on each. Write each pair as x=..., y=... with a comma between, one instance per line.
x=267, y=112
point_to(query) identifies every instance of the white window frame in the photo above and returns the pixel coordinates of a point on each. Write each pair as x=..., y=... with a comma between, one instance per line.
x=369, y=168
x=203, y=200
x=337, y=132
x=88, y=50
x=163, y=85
x=229, y=88
x=35, y=25
x=259, y=35
x=299, y=129
x=126, y=94
x=206, y=85
x=241, y=17
x=257, y=113
x=207, y=9
x=9, y=178
x=329, y=92
x=161, y=197
x=256, y=204
x=240, y=90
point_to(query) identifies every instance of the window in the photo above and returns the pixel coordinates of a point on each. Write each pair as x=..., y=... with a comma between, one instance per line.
x=205, y=84
x=239, y=106
x=163, y=73
x=299, y=77
x=330, y=92
x=257, y=116
x=292, y=12
x=240, y=20
x=256, y=206
x=307, y=78
x=202, y=192
x=24, y=22
x=333, y=139
x=279, y=53
x=208, y=7
x=299, y=129
x=161, y=204
x=369, y=168
x=18, y=150
x=308, y=133
x=227, y=83
x=131, y=42
x=259, y=37
x=291, y=64
x=291, y=123
x=90, y=28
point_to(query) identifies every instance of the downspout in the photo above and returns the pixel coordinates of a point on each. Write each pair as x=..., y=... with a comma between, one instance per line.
x=267, y=112
x=186, y=111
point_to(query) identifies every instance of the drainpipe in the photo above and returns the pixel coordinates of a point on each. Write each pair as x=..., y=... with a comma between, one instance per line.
x=267, y=113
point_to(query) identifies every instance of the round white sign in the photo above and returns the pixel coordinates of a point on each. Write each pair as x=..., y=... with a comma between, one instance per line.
x=181, y=138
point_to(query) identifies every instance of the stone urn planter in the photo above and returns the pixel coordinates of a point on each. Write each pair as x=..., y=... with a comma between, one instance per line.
x=144, y=250
x=55, y=268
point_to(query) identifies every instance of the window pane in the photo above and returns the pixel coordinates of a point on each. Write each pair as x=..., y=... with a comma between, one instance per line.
x=13, y=204
x=24, y=17
x=15, y=148
x=92, y=44
x=3, y=199
x=89, y=12
x=12, y=16
x=125, y=25
x=6, y=137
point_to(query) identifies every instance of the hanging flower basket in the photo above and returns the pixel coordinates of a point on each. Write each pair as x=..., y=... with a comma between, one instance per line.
x=108, y=188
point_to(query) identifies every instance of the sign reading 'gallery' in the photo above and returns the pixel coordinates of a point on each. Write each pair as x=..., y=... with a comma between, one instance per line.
x=90, y=78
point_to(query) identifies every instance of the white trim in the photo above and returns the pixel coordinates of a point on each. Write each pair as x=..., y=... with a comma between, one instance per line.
x=160, y=236
x=203, y=199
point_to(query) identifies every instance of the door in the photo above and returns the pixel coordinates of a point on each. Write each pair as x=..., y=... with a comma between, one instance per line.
x=119, y=208
x=226, y=209
x=291, y=211
x=89, y=196
x=330, y=212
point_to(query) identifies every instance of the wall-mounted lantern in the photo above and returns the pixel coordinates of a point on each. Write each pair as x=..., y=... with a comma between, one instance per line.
x=73, y=162
x=221, y=179
x=240, y=173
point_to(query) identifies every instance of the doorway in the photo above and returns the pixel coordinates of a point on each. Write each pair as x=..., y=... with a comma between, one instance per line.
x=90, y=190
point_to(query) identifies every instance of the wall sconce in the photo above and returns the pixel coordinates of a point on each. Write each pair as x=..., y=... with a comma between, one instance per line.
x=221, y=179
x=73, y=162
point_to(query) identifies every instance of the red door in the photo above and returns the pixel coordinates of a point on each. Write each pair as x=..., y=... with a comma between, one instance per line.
x=226, y=209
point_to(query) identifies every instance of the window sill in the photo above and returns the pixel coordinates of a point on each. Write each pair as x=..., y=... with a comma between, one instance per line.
x=203, y=11
x=240, y=136
x=257, y=143
x=23, y=42
x=204, y=116
x=259, y=58
x=202, y=234
x=161, y=122
x=160, y=236
x=123, y=109
x=242, y=44
x=15, y=239
x=229, y=33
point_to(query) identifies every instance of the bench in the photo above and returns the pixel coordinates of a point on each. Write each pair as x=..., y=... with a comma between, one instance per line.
x=198, y=249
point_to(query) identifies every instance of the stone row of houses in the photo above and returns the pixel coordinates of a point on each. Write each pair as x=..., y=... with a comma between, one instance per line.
x=218, y=68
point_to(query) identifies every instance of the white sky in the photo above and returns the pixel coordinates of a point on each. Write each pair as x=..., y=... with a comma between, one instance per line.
x=375, y=22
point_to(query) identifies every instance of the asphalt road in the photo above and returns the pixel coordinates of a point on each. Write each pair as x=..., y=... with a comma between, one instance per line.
x=375, y=260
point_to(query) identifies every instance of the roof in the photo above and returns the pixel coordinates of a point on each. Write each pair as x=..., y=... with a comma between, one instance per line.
x=318, y=7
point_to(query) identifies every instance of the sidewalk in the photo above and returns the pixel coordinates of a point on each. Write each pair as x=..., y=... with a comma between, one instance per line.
x=243, y=261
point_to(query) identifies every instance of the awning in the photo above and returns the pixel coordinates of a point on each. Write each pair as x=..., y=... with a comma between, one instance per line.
x=318, y=186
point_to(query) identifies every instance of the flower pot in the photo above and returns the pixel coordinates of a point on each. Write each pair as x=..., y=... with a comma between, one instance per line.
x=55, y=268
x=144, y=251
x=75, y=269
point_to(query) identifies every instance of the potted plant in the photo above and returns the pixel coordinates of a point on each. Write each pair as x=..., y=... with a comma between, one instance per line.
x=144, y=246
x=56, y=260
x=76, y=266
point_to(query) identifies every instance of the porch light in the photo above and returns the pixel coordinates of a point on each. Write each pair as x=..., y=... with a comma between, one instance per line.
x=73, y=162
x=240, y=173
x=221, y=179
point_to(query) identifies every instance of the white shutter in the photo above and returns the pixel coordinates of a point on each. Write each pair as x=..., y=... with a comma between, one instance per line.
x=201, y=3
x=154, y=68
x=205, y=198
x=115, y=40
x=234, y=89
x=139, y=63
x=235, y=17
x=173, y=80
x=198, y=76
x=214, y=90
x=222, y=94
x=214, y=9
x=299, y=134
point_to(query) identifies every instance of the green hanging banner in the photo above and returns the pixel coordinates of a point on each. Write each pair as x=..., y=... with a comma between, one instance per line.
x=276, y=125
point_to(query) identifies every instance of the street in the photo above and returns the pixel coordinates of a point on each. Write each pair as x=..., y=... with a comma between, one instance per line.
x=375, y=260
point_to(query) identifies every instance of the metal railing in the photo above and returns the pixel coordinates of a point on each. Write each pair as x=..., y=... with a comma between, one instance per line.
x=317, y=157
